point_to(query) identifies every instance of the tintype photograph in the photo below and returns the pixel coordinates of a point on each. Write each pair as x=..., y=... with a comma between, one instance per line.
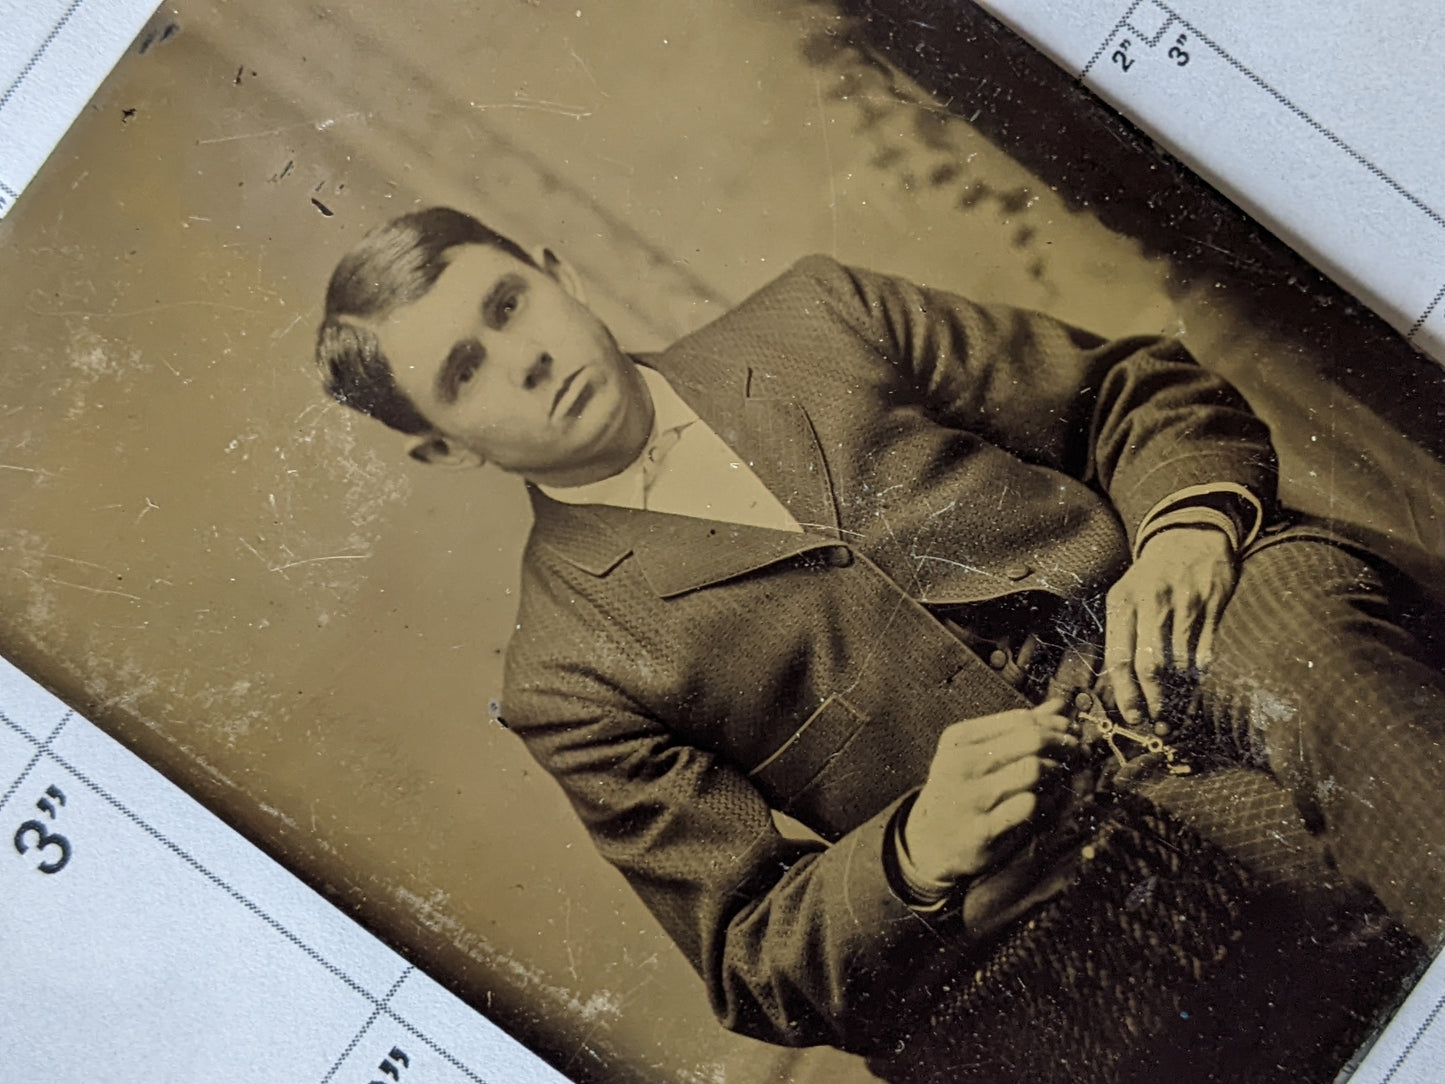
x=756, y=540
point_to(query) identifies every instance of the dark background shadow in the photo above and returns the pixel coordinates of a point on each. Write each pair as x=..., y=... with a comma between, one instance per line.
x=984, y=72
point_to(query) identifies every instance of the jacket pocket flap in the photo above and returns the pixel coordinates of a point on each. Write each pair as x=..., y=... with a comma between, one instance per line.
x=799, y=760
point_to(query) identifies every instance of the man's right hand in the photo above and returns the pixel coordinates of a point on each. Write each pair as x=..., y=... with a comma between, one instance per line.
x=981, y=785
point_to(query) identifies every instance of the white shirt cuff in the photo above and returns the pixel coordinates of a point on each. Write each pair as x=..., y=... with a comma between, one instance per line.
x=1205, y=506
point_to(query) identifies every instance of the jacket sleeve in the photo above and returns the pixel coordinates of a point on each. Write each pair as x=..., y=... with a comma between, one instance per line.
x=798, y=942
x=1136, y=417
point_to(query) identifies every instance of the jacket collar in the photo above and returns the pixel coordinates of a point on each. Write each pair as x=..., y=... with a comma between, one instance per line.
x=681, y=553
x=676, y=554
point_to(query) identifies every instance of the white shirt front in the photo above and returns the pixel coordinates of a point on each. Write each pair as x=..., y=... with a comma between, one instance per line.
x=685, y=469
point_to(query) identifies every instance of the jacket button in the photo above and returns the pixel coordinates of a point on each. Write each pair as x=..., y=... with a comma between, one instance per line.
x=1083, y=702
x=1017, y=572
x=999, y=659
x=840, y=557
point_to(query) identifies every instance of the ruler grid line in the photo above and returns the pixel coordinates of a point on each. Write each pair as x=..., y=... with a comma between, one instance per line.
x=1158, y=34
x=20, y=779
x=376, y=1010
x=1358, y=157
x=256, y=909
x=1424, y=316
x=219, y=881
x=7, y=190
x=1123, y=21
x=39, y=53
x=1279, y=96
x=41, y=748
x=436, y=1048
x=1425, y=1025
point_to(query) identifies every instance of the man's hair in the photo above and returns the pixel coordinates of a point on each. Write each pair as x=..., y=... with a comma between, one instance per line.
x=393, y=265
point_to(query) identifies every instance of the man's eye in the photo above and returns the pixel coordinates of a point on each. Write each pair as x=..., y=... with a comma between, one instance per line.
x=465, y=364
x=504, y=301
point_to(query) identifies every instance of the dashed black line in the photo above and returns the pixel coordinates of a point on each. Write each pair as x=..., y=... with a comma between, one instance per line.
x=1424, y=316
x=1379, y=174
x=1159, y=34
x=41, y=748
x=7, y=190
x=39, y=52
x=379, y=1005
x=441, y=1052
x=1415, y=201
x=377, y=1009
x=1425, y=1025
x=217, y=880
x=1123, y=21
x=19, y=779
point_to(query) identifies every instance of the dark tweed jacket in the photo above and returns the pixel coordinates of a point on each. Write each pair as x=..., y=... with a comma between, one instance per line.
x=683, y=678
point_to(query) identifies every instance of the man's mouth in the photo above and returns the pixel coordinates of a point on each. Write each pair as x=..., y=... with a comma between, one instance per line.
x=562, y=391
x=579, y=401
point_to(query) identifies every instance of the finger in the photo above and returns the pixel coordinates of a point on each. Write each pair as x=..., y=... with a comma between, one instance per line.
x=1204, y=649
x=986, y=727
x=1011, y=813
x=1023, y=774
x=1050, y=742
x=1149, y=655
x=1183, y=643
x=1050, y=714
x=1005, y=749
x=1060, y=743
x=1120, y=637
x=1026, y=774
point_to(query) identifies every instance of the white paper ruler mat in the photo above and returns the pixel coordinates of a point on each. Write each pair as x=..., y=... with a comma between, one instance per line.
x=143, y=940
x=53, y=56
x=1412, y=1049
x=1323, y=120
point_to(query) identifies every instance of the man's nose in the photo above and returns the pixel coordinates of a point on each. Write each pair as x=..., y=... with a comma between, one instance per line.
x=536, y=370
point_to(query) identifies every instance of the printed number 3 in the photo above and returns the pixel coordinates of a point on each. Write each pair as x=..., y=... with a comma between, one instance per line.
x=43, y=840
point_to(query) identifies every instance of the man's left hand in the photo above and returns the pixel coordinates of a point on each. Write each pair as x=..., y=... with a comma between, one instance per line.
x=1162, y=615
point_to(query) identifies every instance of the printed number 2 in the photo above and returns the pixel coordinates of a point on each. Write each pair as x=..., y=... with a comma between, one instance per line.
x=43, y=840
x=1121, y=55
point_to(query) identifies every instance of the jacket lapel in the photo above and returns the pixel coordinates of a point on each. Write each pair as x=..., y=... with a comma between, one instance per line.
x=676, y=554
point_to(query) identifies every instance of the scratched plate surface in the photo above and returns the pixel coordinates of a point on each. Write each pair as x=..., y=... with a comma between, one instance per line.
x=144, y=940
x=1321, y=120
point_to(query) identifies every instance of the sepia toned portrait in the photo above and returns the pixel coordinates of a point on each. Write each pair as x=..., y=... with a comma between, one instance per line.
x=756, y=540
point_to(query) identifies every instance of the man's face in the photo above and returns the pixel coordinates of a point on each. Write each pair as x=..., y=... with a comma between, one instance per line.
x=510, y=366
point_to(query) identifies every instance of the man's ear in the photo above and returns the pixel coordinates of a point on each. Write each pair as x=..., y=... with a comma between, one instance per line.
x=436, y=451
x=565, y=274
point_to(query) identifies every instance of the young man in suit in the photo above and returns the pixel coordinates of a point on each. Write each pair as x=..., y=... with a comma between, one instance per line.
x=882, y=560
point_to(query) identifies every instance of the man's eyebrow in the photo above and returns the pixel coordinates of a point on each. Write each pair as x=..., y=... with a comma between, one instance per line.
x=463, y=354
